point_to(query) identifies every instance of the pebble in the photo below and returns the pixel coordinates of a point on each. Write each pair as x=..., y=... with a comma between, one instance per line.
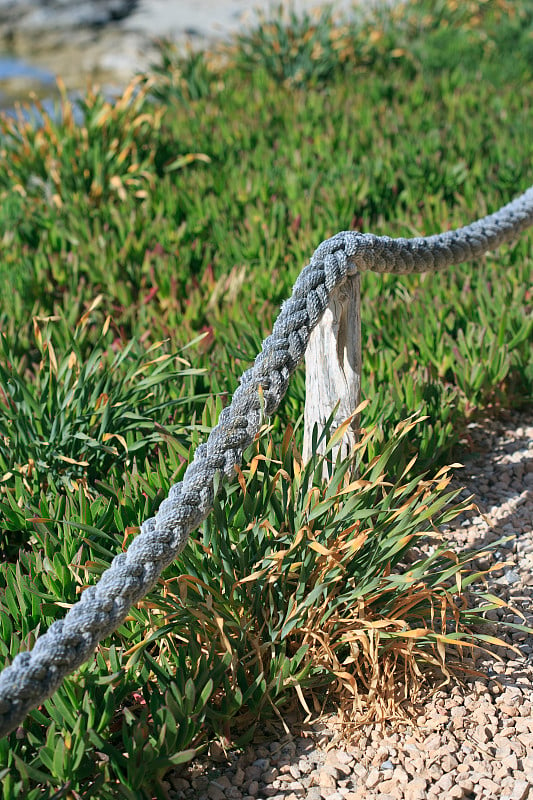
x=471, y=741
x=214, y=793
x=373, y=778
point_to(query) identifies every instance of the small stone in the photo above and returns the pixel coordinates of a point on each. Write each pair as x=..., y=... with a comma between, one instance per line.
x=261, y=763
x=449, y=762
x=326, y=780
x=214, y=793
x=491, y=786
x=361, y=771
x=482, y=734
x=432, y=743
x=400, y=774
x=510, y=711
x=445, y=783
x=179, y=784
x=238, y=778
x=297, y=788
x=373, y=778
x=437, y=721
x=344, y=770
x=503, y=750
x=526, y=739
x=415, y=789
x=335, y=772
x=501, y=772
x=223, y=782
x=415, y=766
x=456, y=792
x=271, y=791
x=520, y=790
x=510, y=577
x=253, y=788
x=343, y=757
x=458, y=711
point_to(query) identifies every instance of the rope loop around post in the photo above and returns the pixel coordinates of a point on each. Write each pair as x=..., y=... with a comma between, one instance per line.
x=33, y=676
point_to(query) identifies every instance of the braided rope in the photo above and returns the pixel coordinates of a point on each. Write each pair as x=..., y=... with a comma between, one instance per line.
x=33, y=676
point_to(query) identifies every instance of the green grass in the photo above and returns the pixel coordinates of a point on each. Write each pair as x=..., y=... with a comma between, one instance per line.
x=145, y=252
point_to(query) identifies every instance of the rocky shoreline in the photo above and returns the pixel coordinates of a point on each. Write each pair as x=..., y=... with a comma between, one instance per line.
x=109, y=41
x=471, y=740
x=80, y=41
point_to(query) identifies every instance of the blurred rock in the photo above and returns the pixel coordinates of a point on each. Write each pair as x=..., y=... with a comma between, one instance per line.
x=39, y=15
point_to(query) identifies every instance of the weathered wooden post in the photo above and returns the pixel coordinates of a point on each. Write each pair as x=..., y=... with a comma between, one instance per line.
x=333, y=367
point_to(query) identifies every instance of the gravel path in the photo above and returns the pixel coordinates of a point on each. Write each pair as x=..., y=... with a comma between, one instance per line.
x=474, y=741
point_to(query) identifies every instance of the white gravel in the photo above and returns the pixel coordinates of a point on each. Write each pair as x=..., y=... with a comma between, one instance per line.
x=470, y=741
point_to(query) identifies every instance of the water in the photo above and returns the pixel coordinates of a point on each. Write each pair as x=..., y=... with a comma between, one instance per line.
x=18, y=79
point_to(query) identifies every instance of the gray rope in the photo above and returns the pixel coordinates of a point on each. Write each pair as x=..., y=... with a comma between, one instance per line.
x=33, y=676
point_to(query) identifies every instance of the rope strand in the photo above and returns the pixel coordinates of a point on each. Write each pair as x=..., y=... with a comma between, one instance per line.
x=33, y=676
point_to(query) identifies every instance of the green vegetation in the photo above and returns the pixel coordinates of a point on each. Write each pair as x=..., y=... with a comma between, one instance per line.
x=146, y=246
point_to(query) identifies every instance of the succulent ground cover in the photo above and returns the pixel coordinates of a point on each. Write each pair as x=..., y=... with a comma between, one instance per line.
x=146, y=245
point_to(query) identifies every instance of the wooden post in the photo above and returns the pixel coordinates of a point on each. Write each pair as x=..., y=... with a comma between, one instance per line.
x=333, y=367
